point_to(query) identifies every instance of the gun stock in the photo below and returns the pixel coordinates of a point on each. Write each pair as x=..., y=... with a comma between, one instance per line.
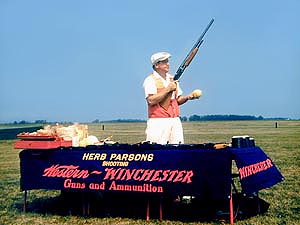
x=191, y=56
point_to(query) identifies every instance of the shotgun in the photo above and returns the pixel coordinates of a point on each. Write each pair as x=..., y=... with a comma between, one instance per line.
x=186, y=62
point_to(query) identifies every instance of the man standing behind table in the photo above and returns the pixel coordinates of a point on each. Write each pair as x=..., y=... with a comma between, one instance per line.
x=164, y=125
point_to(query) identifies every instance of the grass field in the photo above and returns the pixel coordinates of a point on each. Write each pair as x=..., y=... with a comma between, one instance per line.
x=281, y=144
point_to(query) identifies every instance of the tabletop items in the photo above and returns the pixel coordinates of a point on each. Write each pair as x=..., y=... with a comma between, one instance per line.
x=75, y=135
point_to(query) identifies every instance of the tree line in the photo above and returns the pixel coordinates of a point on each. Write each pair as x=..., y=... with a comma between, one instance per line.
x=223, y=117
x=183, y=118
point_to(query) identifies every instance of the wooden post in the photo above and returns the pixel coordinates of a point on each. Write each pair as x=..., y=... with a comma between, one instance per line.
x=25, y=201
x=148, y=211
x=88, y=203
x=83, y=204
x=160, y=209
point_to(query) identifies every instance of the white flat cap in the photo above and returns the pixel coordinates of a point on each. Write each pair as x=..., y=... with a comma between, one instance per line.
x=159, y=56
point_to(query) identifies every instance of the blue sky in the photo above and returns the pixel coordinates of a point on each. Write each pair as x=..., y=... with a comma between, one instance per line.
x=84, y=60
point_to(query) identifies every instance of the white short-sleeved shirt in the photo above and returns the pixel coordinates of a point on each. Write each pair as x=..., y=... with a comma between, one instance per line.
x=150, y=87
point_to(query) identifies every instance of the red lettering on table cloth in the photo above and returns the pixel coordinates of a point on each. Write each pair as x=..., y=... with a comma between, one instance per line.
x=96, y=172
x=65, y=171
x=73, y=185
x=183, y=176
x=252, y=169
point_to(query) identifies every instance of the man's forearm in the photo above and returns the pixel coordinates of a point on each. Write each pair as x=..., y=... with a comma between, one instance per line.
x=158, y=97
x=182, y=99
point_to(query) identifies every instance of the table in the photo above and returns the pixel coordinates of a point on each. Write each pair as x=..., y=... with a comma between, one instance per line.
x=153, y=170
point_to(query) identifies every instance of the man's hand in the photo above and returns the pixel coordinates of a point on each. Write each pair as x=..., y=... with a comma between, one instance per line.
x=172, y=86
x=161, y=97
x=195, y=94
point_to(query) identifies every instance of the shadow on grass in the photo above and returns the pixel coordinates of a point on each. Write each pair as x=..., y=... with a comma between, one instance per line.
x=134, y=206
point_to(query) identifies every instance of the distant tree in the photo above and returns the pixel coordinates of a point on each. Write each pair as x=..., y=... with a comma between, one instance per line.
x=40, y=121
x=184, y=118
x=194, y=118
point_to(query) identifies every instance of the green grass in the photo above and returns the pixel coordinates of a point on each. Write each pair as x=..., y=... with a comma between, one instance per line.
x=282, y=144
